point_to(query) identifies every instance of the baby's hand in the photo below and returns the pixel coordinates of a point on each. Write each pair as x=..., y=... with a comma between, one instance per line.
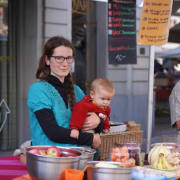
x=105, y=131
x=74, y=133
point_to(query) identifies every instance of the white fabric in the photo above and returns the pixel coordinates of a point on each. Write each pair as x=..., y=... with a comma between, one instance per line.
x=174, y=101
x=22, y=148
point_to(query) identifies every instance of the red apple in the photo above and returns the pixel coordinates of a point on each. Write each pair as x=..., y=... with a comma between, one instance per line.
x=53, y=151
x=34, y=151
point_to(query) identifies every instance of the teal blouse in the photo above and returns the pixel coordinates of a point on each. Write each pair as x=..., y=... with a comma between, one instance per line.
x=43, y=95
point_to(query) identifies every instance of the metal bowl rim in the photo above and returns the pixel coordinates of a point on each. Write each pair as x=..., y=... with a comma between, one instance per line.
x=165, y=144
x=50, y=157
x=103, y=168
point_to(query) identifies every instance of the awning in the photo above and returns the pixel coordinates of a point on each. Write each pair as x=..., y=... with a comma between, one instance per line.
x=172, y=53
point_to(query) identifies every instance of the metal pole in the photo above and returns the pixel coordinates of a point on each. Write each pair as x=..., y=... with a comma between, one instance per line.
x=150, y=98
x=129, y=92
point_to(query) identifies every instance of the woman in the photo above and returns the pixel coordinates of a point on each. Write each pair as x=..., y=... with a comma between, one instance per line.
x=50, y=100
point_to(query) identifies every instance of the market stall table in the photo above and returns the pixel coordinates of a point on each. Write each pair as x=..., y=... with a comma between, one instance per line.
x=171, y=174
x=11, y=167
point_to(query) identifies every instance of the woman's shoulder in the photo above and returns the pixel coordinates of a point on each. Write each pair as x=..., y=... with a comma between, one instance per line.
x=39, y=86
x=78, y=89
x=79, y=94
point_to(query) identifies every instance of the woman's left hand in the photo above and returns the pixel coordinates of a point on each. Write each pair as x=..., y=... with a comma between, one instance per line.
x=91, y=122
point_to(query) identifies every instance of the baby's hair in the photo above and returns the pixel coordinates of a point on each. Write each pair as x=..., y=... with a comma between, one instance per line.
x=102, y=83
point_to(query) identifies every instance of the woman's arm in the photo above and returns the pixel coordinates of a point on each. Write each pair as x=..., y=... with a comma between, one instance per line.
x=57, y=133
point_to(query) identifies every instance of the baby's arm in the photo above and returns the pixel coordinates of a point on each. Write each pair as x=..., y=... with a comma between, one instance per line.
x=105, y=130
x=74, y=133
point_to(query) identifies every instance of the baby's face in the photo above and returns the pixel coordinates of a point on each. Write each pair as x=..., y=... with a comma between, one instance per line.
x=101, y=97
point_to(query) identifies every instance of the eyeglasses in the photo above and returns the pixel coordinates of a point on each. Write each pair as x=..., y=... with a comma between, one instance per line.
x=61, y=59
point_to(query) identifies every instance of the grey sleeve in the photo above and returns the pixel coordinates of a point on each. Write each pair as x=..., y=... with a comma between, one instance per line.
x=174, y=102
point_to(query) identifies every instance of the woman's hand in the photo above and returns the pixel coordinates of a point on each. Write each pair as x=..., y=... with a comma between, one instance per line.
x=91, y=122
x=96, y=141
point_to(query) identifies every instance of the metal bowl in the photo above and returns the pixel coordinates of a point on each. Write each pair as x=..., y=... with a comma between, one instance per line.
x=99, y=173
x=87, y=154
x=51, y=168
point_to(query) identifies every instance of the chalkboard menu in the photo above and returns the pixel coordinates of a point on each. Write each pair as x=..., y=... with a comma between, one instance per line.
x=122, y=32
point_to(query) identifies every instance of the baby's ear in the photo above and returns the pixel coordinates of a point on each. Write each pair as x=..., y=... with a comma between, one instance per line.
x=91, y=93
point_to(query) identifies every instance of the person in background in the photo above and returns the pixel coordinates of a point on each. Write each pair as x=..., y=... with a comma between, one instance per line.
x=174, y=101
x=158, y=68
x=51, y=99
x=98, y=101
x=169, y=65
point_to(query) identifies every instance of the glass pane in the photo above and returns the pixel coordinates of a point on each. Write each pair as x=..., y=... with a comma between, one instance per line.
x=3, y=20
x=8, y=76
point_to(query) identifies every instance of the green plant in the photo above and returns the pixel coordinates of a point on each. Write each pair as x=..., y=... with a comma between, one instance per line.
x=161, y=110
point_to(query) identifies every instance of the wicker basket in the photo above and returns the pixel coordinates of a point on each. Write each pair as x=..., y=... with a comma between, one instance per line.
x=109, y=140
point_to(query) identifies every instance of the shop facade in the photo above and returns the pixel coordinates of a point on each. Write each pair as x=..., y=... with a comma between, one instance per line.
x=30, y=24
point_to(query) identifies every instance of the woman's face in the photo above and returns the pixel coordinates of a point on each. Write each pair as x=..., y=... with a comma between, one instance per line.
x=58, y=67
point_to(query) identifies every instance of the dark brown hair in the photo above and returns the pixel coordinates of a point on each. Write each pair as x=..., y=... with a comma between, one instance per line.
x=43, y=70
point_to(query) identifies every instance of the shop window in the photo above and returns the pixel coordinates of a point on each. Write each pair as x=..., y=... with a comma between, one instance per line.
x=8, y=73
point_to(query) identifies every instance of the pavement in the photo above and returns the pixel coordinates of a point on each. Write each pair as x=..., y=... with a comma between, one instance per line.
x=162, y=132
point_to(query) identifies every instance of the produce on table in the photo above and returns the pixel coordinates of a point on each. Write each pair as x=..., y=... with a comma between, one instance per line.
x=134, y=151
x=174, y=158
x=34, y=151
x=42, y=152
x=161, y=157
x=155, y=151
x=161, y=163
x=51, y=151
x=120, y=154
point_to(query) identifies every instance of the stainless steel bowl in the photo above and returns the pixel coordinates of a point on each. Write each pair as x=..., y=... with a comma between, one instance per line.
x=51, y=168
x=169, y=145
x=100, y=173
x=87, y=154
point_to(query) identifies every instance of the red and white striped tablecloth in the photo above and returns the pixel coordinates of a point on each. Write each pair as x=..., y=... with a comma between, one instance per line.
x=11, y=167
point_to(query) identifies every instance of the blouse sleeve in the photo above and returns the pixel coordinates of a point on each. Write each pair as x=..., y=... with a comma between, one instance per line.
x=174, y=101
x=38, y=98
x=79, y=94
x=57, y=133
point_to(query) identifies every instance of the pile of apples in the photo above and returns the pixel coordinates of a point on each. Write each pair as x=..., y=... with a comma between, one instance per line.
x=51, y=151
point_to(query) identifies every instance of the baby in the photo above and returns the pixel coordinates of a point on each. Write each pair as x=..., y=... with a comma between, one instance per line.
x=98, y=101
